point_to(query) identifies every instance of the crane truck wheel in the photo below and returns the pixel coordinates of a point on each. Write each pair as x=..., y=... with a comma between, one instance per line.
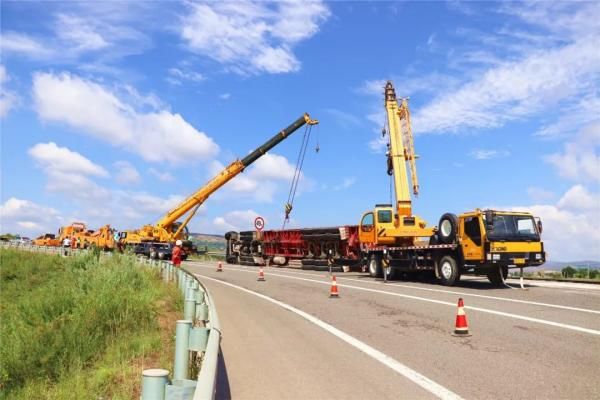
x=494, y=275
x=447, y=228
x=375, y=270
x=448, y=271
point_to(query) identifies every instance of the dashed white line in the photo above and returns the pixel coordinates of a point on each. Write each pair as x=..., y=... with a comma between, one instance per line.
x=446, y=303
x=417, y=378
x=465, y=294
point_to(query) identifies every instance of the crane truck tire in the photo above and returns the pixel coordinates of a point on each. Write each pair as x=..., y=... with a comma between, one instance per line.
x=447, y=228
x=448, y=271
x=374, y=263
x=494, y=275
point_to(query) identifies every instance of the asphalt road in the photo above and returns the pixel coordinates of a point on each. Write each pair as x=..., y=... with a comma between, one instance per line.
x=393, y=340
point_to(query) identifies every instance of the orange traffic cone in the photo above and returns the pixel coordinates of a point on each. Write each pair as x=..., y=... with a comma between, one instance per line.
x=461, y=328
x=219, y=267
x=333, y=292
x=261, y=275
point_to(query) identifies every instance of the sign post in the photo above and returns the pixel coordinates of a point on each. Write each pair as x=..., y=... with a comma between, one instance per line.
x=259, y=224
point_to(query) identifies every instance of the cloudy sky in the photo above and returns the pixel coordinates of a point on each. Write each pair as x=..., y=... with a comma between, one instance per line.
x=113, y=112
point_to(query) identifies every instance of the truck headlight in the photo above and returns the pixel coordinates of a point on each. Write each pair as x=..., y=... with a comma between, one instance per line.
x=495, y=256
x=489, y=256
x=538, y=256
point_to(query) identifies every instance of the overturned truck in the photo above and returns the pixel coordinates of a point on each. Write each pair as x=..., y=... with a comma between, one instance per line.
x=306, y=248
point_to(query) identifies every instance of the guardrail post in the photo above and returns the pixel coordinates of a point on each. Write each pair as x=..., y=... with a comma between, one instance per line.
x=165, y=271
x=189, y=307
x=199, y=301
x=182, y=357
x=185, y=283
x=154, y=384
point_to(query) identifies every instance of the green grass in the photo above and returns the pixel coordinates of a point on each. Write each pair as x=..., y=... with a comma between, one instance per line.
x=80, y=327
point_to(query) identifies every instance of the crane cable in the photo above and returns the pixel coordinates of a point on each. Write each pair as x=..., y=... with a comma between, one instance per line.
x=297, y=172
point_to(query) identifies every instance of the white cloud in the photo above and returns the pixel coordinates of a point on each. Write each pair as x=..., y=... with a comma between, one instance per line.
x=28, y=218
x=573, y=118
x=79, y=33
x=177, y=76
x=148, y=203
x=539, y=195
x=13, y=42
x=343, y=118
x=513, y=89
x=77, y=187
x=487, y=154
x=161, y=176
x=570, y=231
x=225, y=96
x=49, y=156
x=513, y=73
x=580, y=160
x=103, y=31
x=8, y=99
x=252, y=37
x=69, y=172
x=126, y=173
x=262, y=180
x=579, y=198
x=346, y=183
x=236, y=221
x=99, y=112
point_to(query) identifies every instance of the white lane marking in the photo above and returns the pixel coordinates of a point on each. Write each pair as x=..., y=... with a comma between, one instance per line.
x=407, y=296
x=421, y=380
x=534, y=303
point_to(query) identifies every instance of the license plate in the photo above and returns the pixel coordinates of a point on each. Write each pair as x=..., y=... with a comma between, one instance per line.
x=519, y=261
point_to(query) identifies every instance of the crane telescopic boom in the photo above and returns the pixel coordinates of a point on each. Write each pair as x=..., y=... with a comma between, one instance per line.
x=401, y=149
x=167, y=229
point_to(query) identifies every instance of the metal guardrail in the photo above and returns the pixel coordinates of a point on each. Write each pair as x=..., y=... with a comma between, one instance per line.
x=43, y=249
x=197, y=340
x=197, y=336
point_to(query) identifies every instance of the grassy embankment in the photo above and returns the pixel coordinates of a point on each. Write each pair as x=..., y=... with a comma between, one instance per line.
x=81, y=328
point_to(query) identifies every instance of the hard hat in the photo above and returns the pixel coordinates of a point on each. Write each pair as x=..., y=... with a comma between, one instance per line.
x=178, y=243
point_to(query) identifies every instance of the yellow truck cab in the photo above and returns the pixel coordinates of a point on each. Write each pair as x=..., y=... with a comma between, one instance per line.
x=491, y=242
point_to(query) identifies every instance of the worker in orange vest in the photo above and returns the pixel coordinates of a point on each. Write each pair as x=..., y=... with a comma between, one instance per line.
x=73, y=242
x=177, y=253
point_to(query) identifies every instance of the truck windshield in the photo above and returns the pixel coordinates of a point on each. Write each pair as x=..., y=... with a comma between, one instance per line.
x=512, y=228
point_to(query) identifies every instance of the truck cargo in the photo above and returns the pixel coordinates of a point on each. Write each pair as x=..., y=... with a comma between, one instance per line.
x=313, y=248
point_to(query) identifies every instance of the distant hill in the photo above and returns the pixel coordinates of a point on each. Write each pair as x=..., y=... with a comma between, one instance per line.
x=558, y=265
x=208, y=238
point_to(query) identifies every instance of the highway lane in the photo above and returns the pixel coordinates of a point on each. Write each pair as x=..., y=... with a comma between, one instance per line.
x=507, y=356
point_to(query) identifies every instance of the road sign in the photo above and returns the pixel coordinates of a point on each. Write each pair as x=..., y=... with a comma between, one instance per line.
x=259, y=223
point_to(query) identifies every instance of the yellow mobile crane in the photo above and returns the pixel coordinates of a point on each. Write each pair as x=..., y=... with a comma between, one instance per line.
x=487, y=242
x=168, y=229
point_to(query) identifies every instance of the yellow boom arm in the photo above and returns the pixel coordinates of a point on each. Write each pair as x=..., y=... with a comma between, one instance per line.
x=167, y=230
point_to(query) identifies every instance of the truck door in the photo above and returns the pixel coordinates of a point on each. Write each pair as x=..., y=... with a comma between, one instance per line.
x=470, y=232
x=367, y=229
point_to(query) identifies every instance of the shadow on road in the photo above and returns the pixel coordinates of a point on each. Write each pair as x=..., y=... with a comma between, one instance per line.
x=472, y=282
x=223, y=391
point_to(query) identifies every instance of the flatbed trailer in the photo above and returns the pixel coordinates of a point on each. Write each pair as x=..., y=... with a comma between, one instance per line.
x=308, y=248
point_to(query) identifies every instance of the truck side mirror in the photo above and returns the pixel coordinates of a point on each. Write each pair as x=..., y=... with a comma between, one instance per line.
x=539, y=225
x=489, y=219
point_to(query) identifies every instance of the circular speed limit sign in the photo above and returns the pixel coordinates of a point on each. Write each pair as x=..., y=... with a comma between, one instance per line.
x=259, y=223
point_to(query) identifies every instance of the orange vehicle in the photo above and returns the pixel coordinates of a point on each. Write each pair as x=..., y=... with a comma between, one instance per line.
x=72, y=230
x=49, y=239
x=103, y=238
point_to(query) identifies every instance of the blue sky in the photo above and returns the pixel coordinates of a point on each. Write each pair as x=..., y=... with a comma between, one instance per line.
x=112, y=112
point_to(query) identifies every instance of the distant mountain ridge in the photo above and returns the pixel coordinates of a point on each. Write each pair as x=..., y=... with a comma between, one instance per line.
x=558, y=265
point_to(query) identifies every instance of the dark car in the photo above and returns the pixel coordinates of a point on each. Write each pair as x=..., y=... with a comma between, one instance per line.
x=155, y=251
